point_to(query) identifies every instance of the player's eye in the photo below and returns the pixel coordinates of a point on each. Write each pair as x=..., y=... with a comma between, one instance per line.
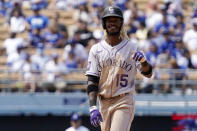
x=114, y=22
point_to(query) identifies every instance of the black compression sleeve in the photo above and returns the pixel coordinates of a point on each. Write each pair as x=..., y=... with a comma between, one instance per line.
x=91, y=88
x=94, y=79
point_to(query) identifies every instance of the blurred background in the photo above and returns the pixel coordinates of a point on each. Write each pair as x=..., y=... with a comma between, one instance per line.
x=44, y=46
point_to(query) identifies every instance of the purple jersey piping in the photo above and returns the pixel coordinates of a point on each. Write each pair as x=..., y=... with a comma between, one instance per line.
x=121, y=48
x=105, y=49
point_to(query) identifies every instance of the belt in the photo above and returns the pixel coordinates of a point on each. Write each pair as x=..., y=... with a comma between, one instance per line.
x=110, y=98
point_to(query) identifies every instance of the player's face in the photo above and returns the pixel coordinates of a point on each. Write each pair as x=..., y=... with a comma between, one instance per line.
x=113, y=25
x=76, y=124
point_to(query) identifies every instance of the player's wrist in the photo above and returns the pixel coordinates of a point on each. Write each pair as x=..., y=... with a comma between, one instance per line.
x=93, y=108
x=144, y=63
x=143, y=60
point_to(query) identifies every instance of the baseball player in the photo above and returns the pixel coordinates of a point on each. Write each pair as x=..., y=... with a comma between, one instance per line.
x=111, y=70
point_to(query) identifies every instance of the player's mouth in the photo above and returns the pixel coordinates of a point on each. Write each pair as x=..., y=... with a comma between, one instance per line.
x=113, y=27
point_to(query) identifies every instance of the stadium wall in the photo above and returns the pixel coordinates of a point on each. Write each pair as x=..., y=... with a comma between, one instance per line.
x=60, y=123
x=66, y=103
x=51, y=111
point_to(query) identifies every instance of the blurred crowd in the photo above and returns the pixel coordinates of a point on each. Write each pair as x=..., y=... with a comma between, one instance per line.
x=165, y=32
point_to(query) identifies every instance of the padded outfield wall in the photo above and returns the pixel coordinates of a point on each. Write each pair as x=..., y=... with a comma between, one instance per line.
x=51, y=111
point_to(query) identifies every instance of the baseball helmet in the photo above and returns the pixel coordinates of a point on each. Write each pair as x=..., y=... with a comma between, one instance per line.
x=111, y=11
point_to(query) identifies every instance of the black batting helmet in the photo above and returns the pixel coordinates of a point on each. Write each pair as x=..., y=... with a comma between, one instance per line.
x=111, y=11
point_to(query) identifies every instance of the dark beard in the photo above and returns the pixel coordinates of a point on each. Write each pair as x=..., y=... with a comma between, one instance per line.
x=113, y=33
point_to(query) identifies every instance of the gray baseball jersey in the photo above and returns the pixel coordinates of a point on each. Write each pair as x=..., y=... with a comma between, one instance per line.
x=115, y=67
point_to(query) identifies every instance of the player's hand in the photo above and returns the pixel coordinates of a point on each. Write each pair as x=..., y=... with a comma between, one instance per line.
x=95, y=116
x=139, y=56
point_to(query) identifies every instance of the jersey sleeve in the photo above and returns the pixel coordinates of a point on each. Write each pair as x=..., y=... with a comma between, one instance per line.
x=93, y=64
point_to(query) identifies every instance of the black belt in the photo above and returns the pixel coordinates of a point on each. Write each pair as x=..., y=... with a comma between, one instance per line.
x=110, y=98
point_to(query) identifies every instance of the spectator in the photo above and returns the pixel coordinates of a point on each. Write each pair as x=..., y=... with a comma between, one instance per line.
x=134, y=20
x=194, y=14
x=162, y=61
x=76, y=123
x=169, y=45
x=37, y=20
x=36, y=39
x=82, y=13
x=15, y=56
x=137, y=17
x=121, y=4
x=52, y=37
x=159, y=39
x=67, y=5
x=152, y=54
x=97, y=35
x=4, y=6
x=174, y=7
x=27, y=70
x=141, y=33
x=164, y=24
x=132, y=7
x=54, y=69
x=11, y=43
x=177, y=75
x=61, y=27
x=53, y=73
x=55, y=19
x=147, y=85
x=132, y=28
x=96, y=11
x=84, y=33
x=10, y=11
x=170, y=17
x=79, y=52
x=189, y=39
x=71, y=61
x=17, y=22
x=151, y=38
x=179, y=28
x=40, y=4
x=91, y=42
x=153, y=14
x=60, y=4
x=96, y=3
x=39, y=59
x=17, y=65
x=181, y=54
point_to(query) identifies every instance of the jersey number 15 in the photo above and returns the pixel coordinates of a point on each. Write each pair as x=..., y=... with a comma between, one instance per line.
x=122, y=80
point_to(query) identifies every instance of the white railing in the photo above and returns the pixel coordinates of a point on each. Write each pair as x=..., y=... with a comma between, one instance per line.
x=160, y=77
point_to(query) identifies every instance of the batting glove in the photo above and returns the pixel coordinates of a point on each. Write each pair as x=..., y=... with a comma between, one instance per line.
x=95, y=116
x=139, y=56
